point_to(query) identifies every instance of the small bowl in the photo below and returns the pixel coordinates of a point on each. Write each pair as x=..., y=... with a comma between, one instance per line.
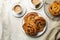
x=18, y=10
x=37, y=6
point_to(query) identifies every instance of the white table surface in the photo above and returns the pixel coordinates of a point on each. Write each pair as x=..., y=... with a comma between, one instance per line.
x=15, y=28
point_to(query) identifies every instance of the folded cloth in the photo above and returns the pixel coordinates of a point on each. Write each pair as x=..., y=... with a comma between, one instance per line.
x=54, y=34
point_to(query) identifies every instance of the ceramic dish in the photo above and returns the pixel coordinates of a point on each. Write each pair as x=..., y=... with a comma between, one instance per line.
x=33, y=6
x=23, y=10
x=40, y=33
x=47, y=4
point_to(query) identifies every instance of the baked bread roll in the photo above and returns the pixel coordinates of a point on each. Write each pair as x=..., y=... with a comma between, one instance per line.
x=40, y=23
x=30, y=16
x=30, y=29
x=54, y=8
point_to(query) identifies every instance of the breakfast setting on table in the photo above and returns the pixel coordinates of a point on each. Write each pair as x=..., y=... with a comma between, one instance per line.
x=29, y=19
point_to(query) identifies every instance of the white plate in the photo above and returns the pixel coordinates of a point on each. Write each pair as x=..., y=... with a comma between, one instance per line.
x=47, y=3
x=40, y=33
x=33, y=6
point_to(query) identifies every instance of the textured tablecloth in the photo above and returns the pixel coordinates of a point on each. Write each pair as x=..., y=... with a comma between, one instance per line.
x=15, y=24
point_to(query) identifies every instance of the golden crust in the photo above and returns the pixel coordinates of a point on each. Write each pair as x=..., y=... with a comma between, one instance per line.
x=30, y=29
x=30, y=16
x=40, y=23
x=54, y=8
